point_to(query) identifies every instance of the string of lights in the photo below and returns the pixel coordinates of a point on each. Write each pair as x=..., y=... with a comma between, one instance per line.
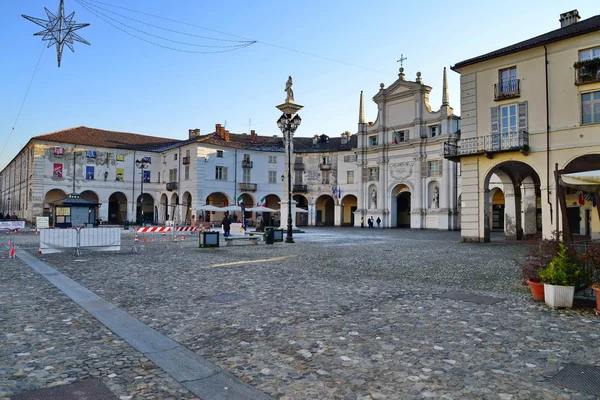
x=105, y=18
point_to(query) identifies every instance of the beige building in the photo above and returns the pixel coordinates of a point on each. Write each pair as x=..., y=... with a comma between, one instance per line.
x=529, y=110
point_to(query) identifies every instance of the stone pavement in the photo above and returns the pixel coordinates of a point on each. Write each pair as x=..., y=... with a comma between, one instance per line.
x=341, y=314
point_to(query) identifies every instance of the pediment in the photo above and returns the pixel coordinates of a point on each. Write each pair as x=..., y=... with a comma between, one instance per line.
x=399, y=88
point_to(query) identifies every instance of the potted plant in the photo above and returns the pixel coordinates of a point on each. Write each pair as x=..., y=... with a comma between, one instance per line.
x=537, y=258
x=559, y=278
x=592, y=258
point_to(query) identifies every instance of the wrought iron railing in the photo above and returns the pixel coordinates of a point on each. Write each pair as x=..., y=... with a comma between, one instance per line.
x=300, y=188
x=325, y=166
x=247, y=164
x=247, y=187
x=507, y=89
x=498, y=142
x=172, y=186
x=589, y=73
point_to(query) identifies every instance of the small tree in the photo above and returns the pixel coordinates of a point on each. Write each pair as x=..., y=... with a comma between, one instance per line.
x=562, y=270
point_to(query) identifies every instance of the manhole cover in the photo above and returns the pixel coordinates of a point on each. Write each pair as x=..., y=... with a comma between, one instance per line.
x=579, y=377
x=471, y=298
x=89, y=389
x=224, y=298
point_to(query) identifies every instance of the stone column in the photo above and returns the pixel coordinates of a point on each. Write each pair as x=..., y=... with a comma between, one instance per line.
x=337, y=215
x=510, y=214
x=529, y=208
x=487, y=204
x=416, y=202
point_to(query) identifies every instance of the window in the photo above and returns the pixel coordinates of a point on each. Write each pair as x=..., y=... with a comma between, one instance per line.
x=326, y=160
x=325, y=177
x=247, y=177
x=220, y=153
x=221, y=173
x=508, y=79
x=373, y=140
x=508, y=119
x=272, y=176
x=433, y=168
x=175, y=156
x=589, y=54
x=298, y=177
x=349, y=176
x=187, y=172
x=272, y=159
x=173, y=175
x=400, y=136
x=159, y=177
x=373, y=174
x=351, y=158
x=590, y=108
x=246, y=157
x=433, y=131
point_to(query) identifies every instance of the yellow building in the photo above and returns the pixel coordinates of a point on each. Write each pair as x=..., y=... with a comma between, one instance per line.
x=530, y=110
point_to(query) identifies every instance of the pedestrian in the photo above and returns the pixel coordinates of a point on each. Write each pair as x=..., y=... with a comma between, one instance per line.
x=371, y=222
x=226, y=223
x=362, y=222
x=378, y=222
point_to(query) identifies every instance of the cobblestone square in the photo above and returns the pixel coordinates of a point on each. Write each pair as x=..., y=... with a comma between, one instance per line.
x=341, y=314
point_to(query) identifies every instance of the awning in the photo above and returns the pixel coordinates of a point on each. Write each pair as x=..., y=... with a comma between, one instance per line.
x=207, y=207
x=588, y=181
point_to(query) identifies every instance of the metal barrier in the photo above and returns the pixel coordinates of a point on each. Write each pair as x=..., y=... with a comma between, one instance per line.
x=98, y=239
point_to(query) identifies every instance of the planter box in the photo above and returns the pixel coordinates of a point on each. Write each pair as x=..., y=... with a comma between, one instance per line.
x=559, y=296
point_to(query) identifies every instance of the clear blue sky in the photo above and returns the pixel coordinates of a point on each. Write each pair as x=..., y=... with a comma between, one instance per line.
x=121, y=83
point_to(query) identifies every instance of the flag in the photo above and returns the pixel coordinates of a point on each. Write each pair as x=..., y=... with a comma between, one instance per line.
x=581, y=198
x=263, y=202
x=240, y=199
x=339, y=192
x=334, y=191
x=396, y=136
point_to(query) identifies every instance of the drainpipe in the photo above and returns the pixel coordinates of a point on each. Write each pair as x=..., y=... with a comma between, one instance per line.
x=235, y=179
x=133, y=198
x=178, y=186
x=548, y=136
x=74, y=157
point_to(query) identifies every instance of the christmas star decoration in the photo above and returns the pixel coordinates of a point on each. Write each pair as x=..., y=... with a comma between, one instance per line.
x=59, y=30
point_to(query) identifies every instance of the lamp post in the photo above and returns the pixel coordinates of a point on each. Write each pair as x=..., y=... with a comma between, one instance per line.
x=142, y=164
x=288, y=123
x=8, y=201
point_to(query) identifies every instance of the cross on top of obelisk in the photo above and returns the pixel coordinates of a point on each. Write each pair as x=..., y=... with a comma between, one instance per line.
x=401, y=60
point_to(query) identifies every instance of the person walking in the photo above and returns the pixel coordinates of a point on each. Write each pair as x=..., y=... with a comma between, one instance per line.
x=371, y=222
x=378, y=222
x=362, y=222
x=226, y=222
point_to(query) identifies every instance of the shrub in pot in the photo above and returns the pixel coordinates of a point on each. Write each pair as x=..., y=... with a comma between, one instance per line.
x=559, y=278
x=536, y=259
x=592, y=258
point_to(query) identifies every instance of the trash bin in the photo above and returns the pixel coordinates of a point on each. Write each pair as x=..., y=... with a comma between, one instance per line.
x=126, y=226
x=269, y=236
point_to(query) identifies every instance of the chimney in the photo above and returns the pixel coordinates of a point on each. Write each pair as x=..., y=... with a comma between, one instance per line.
x=315, y=140
x=569, y=18
x=194, y=133
x=344, y=138
x=225, y=135
x=253, y=136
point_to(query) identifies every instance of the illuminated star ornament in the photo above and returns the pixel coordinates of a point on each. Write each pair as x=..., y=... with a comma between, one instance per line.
x=59, y=30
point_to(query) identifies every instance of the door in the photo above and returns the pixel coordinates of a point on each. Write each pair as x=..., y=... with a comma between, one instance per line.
x=574, y=220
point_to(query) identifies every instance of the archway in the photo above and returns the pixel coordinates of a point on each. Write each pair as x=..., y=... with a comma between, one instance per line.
x=349, y=205
x=148, y=207
x=217, y=199
x=402, y=206
x=187, y=208
x=272, y=201
x=248, y=201
x=325, y=214
x=497, y=211
x=520, y=186
x=50, y=197
x=90, y=196
x=164, y=207
x=174, y=208
x=301, y=204
x=117, y=208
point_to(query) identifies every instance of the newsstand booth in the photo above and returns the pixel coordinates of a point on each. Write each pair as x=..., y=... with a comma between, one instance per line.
x=73, y=211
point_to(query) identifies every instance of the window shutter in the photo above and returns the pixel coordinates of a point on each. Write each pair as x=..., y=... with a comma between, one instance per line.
x=224, y=173
x=424, y=168
x=365, y=174
x=494, y=119
x=523, y=116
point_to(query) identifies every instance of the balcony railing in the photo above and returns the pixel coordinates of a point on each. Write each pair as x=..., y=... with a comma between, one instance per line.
x=247, y=187
x=186, y=160
x=507, y=89
x=300, y=188
x=172, y=186
x=298, y=166
x=325, y=166
x=587, y=71
x=247, y=164
x=488, y=145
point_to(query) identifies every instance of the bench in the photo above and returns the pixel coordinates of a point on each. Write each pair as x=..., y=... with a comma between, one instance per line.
x=250, y=233
x=229, y=240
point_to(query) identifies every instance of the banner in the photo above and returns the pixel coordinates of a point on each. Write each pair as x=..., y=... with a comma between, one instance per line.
x=89, y=173
x=240, y=199
x=57, y=171
x=146, y=176
x=120, y=175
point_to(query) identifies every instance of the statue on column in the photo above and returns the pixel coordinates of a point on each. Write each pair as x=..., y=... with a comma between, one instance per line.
x=373, y=199
x=289, y=90
x=435, y=200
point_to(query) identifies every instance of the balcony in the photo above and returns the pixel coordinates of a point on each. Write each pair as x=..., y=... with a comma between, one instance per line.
x=488, y=145
x=298, y=166
x=587, y=71
x=186, y=160
x=508, y=89
x=247, y=164
x=300, y=189
x=325, y=166
x=247, y=187
x=172, y=186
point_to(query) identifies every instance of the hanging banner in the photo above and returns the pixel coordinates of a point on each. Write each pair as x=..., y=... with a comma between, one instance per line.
x=89, y=173
x=57, y=171
x=120, y=175
x=146, y=176
x=120, y=157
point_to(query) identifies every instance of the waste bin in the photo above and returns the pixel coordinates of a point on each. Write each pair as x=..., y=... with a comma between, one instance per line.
x=269, y=236
x=126, y=226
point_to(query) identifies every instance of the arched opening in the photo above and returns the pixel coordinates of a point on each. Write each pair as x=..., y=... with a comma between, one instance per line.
x=164, y=208
x=519, y=185
x=117, y=208
x=402, y=206
x=216, y=199
x=324, y=207
x=174, y=210
x=301, y=204
x=349, y=205
x=50, y=197
x=248, y=201
x=147, y=205
x=187, y=208
x=271, y=218
x=89, y=196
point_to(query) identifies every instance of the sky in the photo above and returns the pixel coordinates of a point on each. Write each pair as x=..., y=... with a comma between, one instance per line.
x=332, y=49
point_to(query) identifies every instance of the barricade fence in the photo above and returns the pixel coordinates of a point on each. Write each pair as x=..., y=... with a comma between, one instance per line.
x=97, y=239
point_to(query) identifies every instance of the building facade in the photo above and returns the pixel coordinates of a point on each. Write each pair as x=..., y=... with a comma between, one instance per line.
x=529, y=112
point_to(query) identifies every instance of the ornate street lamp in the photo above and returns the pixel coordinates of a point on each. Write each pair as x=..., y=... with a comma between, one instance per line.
x=288, y=124
x=142, y=164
